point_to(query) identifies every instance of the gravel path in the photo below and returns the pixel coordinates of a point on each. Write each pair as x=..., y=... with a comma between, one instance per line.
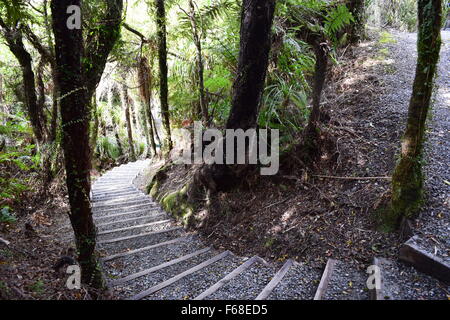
x=433, y=223
x=346, y=284
x=300, y=283
x=401, y=282
x=122, y=207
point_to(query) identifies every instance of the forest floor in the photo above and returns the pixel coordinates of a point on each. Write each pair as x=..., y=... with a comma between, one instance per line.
x=37, y=240
x=299, y=215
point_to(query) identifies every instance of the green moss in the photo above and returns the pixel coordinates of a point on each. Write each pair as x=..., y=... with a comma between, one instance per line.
x=386, y=38
x=153, y=189
x=178, y=205
x=407, y=192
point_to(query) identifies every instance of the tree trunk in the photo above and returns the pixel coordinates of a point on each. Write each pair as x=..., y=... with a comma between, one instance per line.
x=145, y=125
x=94, y=133
x=356, y=28
x=155, y=129
x=255, y=43
x=78, y=74
x=407, y=180
x=200, y=66
x=114, y=120
x=320, y=74
x=162, y=57
x=126, y=104
x=14, y=40
x=151, y=127
x=75, y=131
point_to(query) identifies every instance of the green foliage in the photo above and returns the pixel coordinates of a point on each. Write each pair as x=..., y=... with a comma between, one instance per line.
x=335, y=20
x=107, y=148
x=6, y=216
x=400, y=14
x=38, y=287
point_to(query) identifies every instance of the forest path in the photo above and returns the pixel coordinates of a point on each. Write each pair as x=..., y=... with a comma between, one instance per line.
x=433, y=223
x=147, y=255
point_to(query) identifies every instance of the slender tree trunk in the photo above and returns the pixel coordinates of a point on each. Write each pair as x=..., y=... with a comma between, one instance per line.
x=320, y=74
x=75, y=133
x=126, y=104
x=14, y=40
x=145, y=89
x=3, y=109
x=145, y=125
x=407, y=180
x=200, y=66
x=114, y=120
x=162, y=57
x=55, y=108
x=155, y=129
x=151, y=130
x=356, y=29
x=94, y=133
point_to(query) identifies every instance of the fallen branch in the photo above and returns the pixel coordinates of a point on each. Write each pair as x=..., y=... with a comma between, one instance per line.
x=353, y=178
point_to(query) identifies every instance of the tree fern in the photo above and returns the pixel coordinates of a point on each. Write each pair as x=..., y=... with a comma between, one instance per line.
x=336, y=19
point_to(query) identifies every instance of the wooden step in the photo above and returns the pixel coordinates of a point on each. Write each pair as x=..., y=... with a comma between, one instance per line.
x=229, y=277
x=147, y=248
x=275, y=281
x=157, y=268
x=174, y=279
x=324, y=281
x=412, y=253
x=138, y=235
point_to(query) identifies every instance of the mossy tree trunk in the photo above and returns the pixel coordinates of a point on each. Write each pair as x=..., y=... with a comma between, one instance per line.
x=407, y=181
x=78, y=73
x=163, y=70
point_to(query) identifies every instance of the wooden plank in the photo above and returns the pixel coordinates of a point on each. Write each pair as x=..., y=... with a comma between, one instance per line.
x=158, y=267
x=178, y=277
x=275, y=280
x=412, y=254
x=129, y=220
x=134, y=227
x=105, y=216
x=228, y=277
x=106, y=211
x=125, y=204
x=128, y=253
x=117, y=200
x=325, y=279
x=139, y=235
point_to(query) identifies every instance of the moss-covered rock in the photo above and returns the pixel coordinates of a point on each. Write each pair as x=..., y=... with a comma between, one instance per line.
x=178, y=205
